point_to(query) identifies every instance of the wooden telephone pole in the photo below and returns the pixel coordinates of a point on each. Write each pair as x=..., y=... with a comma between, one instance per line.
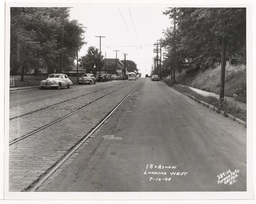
x=223, y=66
x=100, y=36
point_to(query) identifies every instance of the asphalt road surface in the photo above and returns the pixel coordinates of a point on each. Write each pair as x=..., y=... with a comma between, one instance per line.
x=158, y=140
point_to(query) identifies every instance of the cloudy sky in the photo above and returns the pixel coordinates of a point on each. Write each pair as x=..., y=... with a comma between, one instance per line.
x=129, y=28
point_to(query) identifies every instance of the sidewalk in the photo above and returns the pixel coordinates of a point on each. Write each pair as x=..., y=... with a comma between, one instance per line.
x=12, y=89
x=231, y=99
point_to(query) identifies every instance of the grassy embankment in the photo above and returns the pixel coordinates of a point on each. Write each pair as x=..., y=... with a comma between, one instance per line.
x=209, y=80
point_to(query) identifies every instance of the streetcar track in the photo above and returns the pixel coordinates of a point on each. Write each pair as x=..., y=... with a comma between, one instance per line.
x=37, y=110
x=59, y=119
x=41, y=179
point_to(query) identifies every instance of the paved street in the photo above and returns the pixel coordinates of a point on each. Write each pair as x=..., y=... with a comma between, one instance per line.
x=158, y=140
x=51, y=132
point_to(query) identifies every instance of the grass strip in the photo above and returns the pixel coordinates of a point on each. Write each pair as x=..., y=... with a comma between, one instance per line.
x=227, y=106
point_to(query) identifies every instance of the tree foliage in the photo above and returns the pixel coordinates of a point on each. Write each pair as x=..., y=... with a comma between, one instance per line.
x=43, y=37
x=199, y=32
x=92, y=59
x=131, y=66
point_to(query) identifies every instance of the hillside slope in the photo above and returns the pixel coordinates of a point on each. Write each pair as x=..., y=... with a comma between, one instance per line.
x=209, y=80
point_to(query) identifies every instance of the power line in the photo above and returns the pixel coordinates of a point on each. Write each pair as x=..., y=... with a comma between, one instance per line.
x=133, y=24
x=139, y=46
x=126, y=25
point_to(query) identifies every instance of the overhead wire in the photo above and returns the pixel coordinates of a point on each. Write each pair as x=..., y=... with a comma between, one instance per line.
x=126, y=25
x=133, y=25
x=139, y=46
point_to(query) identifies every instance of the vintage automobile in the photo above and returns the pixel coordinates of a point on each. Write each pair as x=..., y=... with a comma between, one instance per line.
x=155, y=78
x=87, y=79
x=109, y=77
x=102, y=78
x=132, y=76
x=56, y=81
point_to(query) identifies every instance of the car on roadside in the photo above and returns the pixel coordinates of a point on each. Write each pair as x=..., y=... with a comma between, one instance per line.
x=109, y=77
x=114, y=77
x=56, y=80
x=155, y=78
x=102, y=78
x=87, y=79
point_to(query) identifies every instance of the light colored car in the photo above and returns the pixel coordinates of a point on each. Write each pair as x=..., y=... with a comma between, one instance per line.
x=155, y=78
x=56, y=80
x=132, y=76
x=115, y=77
x=87, y=79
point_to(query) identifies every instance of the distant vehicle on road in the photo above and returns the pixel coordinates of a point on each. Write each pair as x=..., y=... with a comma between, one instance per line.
x=56, y=81
x=155, y=78
x=87, y=79
x=132, y=76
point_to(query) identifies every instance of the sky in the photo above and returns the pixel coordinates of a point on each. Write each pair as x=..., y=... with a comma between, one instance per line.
x=130, y=29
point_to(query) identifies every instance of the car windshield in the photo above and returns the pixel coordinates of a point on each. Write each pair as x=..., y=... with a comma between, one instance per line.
x=54, y=76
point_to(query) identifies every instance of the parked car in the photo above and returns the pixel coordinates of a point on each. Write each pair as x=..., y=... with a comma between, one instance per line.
x=87, y=79
x=56, y=80
x=132, y=76
x=114, y=77
x=109, y=77
x=102, y=78
x=155, y=78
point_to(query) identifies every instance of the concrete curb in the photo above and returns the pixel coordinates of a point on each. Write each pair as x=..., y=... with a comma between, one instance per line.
x=23, y=88
x=213, y=108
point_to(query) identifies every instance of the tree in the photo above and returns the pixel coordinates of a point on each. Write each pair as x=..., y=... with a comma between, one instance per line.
x=24, y=44
x=199, y=34
x=36, y=39
x=91, y=59
x=130, y=66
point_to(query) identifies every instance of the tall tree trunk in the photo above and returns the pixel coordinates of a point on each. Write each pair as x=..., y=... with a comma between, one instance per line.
x=22, y=72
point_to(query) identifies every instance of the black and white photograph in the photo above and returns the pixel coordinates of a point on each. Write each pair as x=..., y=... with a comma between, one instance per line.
x=128, y=101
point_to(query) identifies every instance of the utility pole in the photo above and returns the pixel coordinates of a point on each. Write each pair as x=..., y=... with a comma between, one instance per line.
x=77, y=75
x=156, y=51
x=62, y=43
x=174, y=44
x=105, y=63
x=125, y=63
x=100, y=36
x=116, y=57
x=160, y=67
x=223, y=65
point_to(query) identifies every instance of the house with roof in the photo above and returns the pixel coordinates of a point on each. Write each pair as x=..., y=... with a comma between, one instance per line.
x=113, y=66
